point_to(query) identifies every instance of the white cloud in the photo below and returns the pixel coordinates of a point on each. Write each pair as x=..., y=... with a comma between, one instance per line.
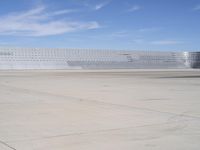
x=101, y=5
x=95, y=6
x=197, y=8
x=38, y=22
x=134, y=8
x=62, y=12
x=166, y=42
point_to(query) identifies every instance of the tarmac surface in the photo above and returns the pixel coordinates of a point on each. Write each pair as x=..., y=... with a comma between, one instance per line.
x=100, y=110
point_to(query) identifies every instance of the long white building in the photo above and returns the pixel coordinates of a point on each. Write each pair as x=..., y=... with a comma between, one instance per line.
x=38, y=58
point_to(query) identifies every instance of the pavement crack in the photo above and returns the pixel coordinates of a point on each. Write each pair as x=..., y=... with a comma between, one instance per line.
x=97, y=102
x=84, y=133
x=7, y=145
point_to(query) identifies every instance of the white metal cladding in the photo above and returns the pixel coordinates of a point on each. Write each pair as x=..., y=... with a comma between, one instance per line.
x=38, y=58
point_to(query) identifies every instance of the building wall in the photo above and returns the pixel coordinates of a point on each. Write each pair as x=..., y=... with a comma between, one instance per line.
x=34, y=58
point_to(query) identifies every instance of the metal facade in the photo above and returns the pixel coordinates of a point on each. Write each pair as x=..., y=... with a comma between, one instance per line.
x=36, y=58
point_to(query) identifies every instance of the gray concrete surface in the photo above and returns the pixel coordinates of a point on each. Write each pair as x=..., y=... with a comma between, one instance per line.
x=100, y=110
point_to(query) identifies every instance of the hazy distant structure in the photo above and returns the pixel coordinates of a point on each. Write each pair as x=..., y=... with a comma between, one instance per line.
x=52, y=58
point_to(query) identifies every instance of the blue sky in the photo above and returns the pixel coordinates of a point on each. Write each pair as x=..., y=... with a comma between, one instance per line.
x=101, y=24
